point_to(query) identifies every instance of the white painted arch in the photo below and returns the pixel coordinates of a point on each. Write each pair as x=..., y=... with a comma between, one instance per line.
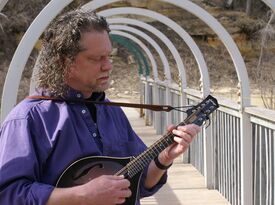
x=150, y=41
x=162, y=37
x=227, y=41
x=3, y=3
x=131, y=37
x=174, y=26
x=219, y=30
x=55, y=6
x=144, y=47
x=27, y=43
x=157, y=33
x=23, y=51
x=270, y=3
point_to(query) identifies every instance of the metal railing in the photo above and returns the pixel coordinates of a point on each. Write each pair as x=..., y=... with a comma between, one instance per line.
x=224, y=171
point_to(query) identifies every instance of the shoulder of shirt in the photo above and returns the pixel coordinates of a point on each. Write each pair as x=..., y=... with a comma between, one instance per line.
x=24, y=109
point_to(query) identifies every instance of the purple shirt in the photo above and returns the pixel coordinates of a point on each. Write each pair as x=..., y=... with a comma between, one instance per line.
x=40, y=138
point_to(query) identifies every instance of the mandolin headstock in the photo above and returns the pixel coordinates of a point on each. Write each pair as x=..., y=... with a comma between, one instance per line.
x=200, y=112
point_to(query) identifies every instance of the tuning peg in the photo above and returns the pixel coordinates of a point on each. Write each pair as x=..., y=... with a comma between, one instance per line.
x=207, y=122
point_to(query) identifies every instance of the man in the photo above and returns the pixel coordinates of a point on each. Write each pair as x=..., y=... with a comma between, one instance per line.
x=40, y=138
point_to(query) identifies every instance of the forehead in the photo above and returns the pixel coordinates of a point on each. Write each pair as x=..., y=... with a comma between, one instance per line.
x=96, y=43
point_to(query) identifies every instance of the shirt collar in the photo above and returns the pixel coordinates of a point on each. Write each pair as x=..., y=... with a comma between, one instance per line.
x=97, y=96
x=74, y=94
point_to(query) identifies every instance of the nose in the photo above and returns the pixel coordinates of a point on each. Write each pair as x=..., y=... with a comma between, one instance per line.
x=107, y=64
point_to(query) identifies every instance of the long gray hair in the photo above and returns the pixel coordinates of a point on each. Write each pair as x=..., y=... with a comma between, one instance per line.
x=61, y=45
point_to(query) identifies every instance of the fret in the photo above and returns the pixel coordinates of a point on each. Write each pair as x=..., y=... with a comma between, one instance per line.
x=140, y=162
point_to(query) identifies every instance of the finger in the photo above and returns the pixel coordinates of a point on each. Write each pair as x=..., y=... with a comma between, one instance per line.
x=191, y=126
x=183, y=134
x=188, y=129
x=113, y=177
x=123, y=184
x=125, y=193
x=191, y=129
x=120, y=200
x=182, y=141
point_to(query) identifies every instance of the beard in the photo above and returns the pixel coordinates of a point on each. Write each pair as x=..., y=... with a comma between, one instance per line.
x=101, y=87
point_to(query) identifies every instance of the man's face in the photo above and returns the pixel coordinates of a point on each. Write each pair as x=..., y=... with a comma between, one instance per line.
x=90, y=71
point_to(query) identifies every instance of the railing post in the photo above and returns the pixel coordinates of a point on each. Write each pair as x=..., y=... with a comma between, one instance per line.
x=208, y=158
x=168, y=102
x=157, y=119
x=183, y=102
x=246, y=160
x=147, y=100
x=142, y=95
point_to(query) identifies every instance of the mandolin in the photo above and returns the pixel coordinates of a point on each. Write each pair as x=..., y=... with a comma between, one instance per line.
x=88, y=168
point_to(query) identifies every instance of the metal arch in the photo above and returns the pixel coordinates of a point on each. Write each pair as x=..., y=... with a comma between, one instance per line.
x=3, y=3
x=123, y=41
x=163, y=38
x=223, y=35
x=143, y=46
x=135, y=50
x=182, y=33
x=270, y=3
x=227, y=41
x=23, y=51
x=25, y=46
x=152, y=42
x=35, y=30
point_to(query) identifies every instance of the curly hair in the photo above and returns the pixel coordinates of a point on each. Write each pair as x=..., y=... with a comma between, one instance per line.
x=60, y=46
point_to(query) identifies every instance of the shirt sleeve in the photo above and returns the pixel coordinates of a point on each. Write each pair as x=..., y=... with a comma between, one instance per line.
x=144, y=192
x=20, y=169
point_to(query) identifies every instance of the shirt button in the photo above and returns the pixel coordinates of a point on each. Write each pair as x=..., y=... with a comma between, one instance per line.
x=94, y=134
x=83, y=111
x=78, y=95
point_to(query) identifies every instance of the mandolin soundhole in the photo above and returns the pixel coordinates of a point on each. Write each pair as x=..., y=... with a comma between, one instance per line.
x=86, y=170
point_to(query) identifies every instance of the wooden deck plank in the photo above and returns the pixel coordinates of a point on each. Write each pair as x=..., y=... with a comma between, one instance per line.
x=185, y=185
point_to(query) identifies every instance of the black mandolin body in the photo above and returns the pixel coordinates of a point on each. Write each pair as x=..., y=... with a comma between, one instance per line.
x=88, y=168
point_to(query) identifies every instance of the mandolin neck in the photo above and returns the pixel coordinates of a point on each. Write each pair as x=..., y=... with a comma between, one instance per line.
x=137, y=164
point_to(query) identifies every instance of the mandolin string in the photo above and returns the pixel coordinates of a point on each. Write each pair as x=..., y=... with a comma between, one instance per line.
x=133, y=167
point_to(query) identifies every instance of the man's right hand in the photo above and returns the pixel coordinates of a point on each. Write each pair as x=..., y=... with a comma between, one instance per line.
x=105, y=190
